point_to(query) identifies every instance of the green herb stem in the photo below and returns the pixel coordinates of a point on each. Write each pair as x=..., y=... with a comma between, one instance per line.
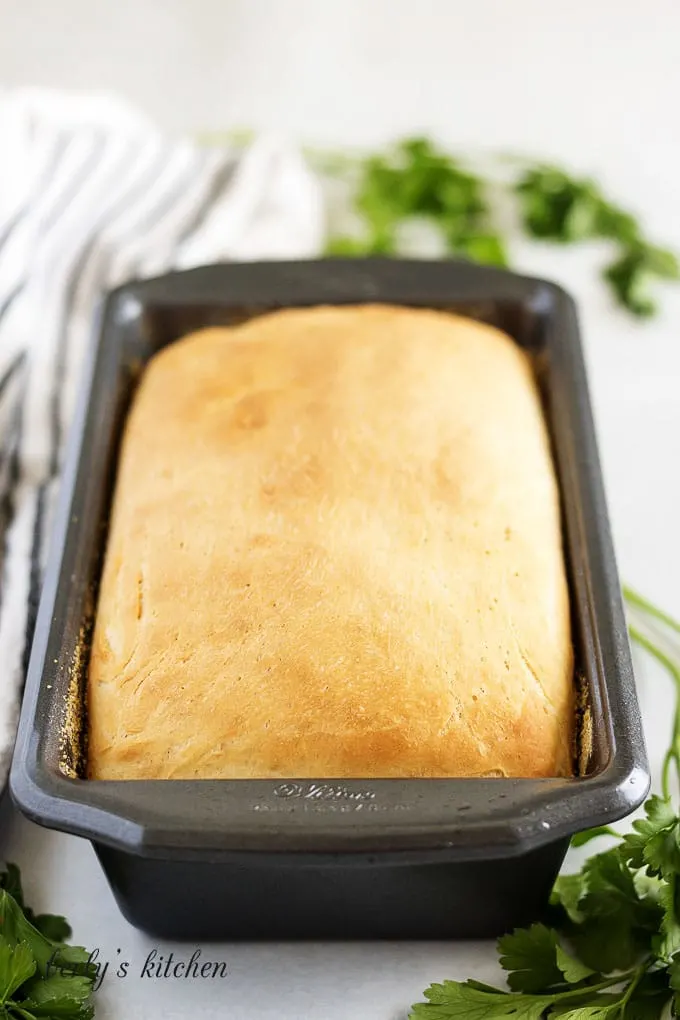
x=630, y=990
x=601, y=986
x=640, y=602
x=22, y=1012
x=672, y=756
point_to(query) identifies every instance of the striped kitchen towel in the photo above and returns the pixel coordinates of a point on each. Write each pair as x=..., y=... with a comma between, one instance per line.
x=91, y=195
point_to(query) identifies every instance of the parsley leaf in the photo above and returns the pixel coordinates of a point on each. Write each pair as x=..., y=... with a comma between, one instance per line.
x=567, y=893
x=630, y=274
x=536, y=961
x=557, y=207
x=59, y=996
x=573, y=970
x=453, y=999
x=615, y=224
x=16, y=966
x=654, y=842
x=530, y=957
x=53, y=927
x=667, y=943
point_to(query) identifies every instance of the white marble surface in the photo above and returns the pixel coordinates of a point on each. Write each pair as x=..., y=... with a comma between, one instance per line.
x=595, y=85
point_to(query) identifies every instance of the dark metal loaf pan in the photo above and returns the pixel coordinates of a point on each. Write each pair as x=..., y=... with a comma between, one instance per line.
x=392, y=858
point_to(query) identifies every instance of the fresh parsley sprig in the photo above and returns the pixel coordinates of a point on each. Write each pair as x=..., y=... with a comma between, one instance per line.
x=41, y=978
x=612, y=950
x=558, y=207
x=416, y=180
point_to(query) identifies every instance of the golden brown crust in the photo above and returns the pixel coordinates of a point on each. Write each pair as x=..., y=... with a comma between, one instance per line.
x=335, y=551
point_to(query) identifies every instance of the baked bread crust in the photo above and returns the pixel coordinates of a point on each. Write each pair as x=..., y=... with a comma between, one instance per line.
x=334, y=551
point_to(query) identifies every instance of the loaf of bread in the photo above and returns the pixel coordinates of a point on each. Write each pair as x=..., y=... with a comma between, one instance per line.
x=334, y=551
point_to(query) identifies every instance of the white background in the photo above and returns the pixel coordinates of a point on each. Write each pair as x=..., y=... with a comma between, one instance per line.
x=596, y=86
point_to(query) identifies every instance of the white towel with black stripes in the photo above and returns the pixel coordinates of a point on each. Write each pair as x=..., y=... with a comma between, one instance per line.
x=91, y=194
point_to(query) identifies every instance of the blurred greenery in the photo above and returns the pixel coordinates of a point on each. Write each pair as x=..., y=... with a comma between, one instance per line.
x=414, y=180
